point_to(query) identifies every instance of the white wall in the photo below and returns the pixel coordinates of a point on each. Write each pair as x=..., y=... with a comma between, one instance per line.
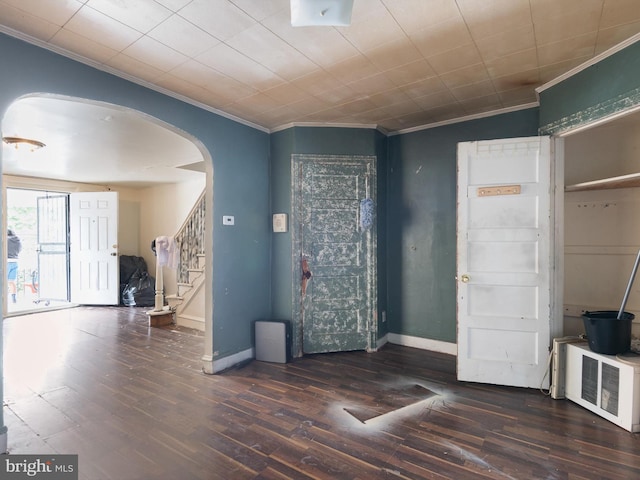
x=602, y=227
x=165, y=209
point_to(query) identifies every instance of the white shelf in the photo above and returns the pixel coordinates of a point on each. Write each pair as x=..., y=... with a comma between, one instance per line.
x=623, y=181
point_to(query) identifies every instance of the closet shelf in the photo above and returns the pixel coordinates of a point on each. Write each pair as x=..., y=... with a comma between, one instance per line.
x=624, y=181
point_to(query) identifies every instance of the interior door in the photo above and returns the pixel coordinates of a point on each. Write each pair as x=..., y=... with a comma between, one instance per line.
x=93, y=220
x=334, y=254
x=505, y=265
x=53, y=248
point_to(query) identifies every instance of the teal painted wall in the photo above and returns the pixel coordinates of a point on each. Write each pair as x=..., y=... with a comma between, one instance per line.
x=421, y=221
x=240, y=154
x=609, y=86
x=321, y=141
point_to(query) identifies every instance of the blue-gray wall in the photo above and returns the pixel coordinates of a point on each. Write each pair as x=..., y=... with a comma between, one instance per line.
x=421, y=221
x=241, y=254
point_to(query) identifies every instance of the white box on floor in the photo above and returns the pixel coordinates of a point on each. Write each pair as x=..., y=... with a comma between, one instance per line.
x=608, y=385
x=273, y=340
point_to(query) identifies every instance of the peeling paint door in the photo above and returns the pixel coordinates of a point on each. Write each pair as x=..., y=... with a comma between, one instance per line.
x=505, y=265
x=334, y=263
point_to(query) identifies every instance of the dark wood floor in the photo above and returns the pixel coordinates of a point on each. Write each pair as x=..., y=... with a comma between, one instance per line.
x=133, y=403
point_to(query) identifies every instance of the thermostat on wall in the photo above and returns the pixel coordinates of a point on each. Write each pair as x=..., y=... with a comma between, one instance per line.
x=279, y=222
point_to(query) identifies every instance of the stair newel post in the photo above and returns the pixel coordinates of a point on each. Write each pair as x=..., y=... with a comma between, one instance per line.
x=159, y=298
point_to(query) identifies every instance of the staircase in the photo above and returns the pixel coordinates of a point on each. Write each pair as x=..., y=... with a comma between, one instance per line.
x=189, y=301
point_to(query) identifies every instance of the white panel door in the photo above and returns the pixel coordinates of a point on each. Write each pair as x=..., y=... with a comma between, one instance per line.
x=93, y=218
x=505, y=238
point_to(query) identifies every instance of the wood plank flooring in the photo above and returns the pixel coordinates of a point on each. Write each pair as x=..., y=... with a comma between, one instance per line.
x=132, y=402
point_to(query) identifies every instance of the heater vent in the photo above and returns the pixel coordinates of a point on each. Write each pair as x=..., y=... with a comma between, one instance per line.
x=608, y=385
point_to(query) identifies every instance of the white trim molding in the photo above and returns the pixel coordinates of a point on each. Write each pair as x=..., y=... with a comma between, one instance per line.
x=423, y=343
x=216, y=366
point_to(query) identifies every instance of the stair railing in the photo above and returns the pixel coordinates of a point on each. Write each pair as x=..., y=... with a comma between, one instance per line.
x=190, y=240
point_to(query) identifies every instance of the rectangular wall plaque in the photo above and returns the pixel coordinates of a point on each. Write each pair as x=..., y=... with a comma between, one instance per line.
x=501, y=190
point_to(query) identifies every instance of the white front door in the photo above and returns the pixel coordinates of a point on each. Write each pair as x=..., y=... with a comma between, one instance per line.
x=505, y=268
x=93, y=218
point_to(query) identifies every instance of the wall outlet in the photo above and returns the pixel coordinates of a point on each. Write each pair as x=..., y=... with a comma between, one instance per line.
x=228, y=220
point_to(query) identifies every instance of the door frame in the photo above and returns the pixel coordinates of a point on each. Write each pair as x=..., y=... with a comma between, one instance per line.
x=297, y=160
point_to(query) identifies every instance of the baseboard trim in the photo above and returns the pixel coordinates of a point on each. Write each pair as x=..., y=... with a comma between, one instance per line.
x=190, y=321
x=423, y=343
x=221, y=364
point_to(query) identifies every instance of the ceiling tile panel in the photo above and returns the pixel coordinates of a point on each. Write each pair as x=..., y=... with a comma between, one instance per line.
x=528, y=79
x=408, y=73
x=363, y=37
x=261, y=45
x=507, y=42
x=509, y=64
x=58, y=12
x=416, y=15
x=371, y=85
x=442, y=37
x=475, y=90
x=142, y=15
x=491, y=17
x=183, y=36
x=619, y=12
x=154, y=53
x=134, y=67
x=102, y=29
x=610, y=37
x=317, y=82
x=219, y=18
x=352, y=69
x=285, y=93
x=454, y=59
x=236, y=65
x=83, y=46
x=569, y=48
x=262, y=9
x=424, y=87
x=433, y=100
x=572, y=24
x=465, y=76
x=393, y=54
x=26, y=23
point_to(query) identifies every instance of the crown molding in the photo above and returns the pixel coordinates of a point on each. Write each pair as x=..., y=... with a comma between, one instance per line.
x=598, y=58
x=466, y=119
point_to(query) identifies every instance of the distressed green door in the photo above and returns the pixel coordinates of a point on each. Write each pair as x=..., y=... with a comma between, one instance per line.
x=333, y=254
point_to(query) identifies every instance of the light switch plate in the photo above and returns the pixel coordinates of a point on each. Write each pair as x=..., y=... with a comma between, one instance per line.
x=228, y=220
x=279, y=222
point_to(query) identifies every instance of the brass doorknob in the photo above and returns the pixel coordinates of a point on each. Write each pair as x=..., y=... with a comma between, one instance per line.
x=465, y=278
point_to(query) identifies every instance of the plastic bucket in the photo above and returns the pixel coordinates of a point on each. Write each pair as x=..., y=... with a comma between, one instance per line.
x=606, y=334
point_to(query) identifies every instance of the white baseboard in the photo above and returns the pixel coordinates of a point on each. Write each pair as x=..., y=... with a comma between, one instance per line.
x=190, y=321
x=423, y=343
x=228, y=362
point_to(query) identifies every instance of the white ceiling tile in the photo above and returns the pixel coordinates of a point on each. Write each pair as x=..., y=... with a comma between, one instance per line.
x=363, y=37
x=441, y=37
x=454, y=59
x=262, y=9
x=142, y=15
x=410, y=72
x=415, y=15
x=219, y=18
x=506, y=42
x=576, y=47
x=572, y=24
x=465, y=76
x=173, y=5
x=26, y=23
x=58, y=12
x=490, y=17
x=83, y=46
x=261, y=45
x=154, y=53
x=509, y=64
x=610, y=37
x=102, y=29
x=353, y=69
x=134, y=67
x=232, y=63
x=183, y=36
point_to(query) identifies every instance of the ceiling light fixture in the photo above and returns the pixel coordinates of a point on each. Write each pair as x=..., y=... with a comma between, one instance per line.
x=327, y=13
x=18, y=142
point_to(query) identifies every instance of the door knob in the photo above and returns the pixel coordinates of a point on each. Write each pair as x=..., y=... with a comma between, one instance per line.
x=465, y=278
